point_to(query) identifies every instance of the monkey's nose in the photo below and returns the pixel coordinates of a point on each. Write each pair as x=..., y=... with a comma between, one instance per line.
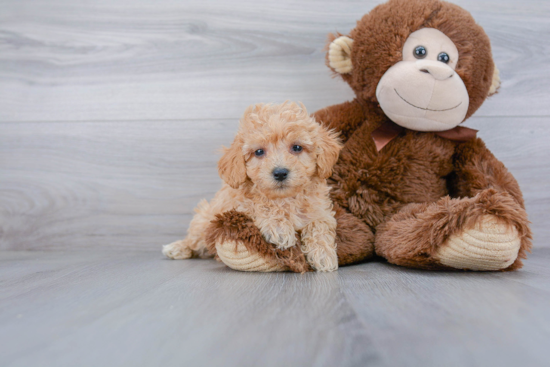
x=437, y=69
x=280, y=174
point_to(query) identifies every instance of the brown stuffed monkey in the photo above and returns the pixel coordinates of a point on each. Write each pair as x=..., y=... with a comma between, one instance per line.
x=410, y=185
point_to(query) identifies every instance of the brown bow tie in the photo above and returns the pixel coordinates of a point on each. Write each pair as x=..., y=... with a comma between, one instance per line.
x=389, y=130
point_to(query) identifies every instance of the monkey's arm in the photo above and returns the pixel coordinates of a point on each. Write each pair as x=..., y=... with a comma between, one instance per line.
x=476, y=169
x=483, y=226
x=344, y=117
x=478, y=172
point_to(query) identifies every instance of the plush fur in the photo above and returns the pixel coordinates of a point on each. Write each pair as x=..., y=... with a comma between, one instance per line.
x=381, y=34
x=354, y=240
x=278, y=208
x=421, y=189
x=237, y=226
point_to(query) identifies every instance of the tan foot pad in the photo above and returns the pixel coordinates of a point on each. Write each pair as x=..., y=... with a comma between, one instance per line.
x=240, y=258
x=490, y=245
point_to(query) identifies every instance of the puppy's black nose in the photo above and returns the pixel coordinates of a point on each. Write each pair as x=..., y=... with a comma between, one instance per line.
x=280, y=174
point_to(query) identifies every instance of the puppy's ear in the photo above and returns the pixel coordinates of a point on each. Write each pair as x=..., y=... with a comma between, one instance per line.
x=231, y=166
x=328, y=147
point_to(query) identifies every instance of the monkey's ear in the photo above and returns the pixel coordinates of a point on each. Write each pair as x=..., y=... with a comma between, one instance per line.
x=231, y=166
x=495, y=85
x=339, y=55
x=328, y=150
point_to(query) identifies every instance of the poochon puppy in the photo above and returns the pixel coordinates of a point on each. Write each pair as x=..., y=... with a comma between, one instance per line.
x=275, y=171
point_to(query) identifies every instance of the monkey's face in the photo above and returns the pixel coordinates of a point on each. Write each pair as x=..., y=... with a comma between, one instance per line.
x=405, y=54
x=423, y=92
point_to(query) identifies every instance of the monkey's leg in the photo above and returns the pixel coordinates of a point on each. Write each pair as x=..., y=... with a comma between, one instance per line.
x=354, y=239
x=240, y=245
x=487, y=232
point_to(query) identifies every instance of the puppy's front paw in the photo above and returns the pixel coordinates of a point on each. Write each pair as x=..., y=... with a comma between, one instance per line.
x=177, y=250
x=323, y=260
x=280, y=238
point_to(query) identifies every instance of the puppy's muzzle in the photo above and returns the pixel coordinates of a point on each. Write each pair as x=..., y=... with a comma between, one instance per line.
x=280, y=174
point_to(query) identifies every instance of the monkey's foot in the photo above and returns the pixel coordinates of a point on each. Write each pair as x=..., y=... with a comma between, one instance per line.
x=488, y=245
x=235, y=255
x=240, y=245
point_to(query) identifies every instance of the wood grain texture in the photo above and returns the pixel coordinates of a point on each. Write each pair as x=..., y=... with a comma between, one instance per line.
x=135, y=309
x=62, y=60
x=131, y=184
x=111, y=112
x=135, y=184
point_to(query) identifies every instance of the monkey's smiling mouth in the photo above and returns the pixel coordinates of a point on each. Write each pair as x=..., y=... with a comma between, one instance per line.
x=425, y=109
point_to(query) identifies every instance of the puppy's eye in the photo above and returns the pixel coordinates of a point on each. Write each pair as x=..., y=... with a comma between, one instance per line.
x=259, y=153
x=297, y=148
x=420, y=52
x=443, y=57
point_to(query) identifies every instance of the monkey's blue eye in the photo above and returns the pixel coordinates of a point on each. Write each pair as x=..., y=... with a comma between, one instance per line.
x=296, y=148
x=443, y=57
x=420, y=52
x=259, y=152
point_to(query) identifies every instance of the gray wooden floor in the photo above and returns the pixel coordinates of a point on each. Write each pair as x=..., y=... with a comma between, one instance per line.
x=137, y=309
x=111, y=115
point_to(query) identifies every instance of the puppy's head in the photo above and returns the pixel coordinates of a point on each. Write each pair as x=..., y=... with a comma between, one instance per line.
x=279, y=148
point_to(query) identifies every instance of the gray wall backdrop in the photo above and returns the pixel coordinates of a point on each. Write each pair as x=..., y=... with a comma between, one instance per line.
x=111, y=112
